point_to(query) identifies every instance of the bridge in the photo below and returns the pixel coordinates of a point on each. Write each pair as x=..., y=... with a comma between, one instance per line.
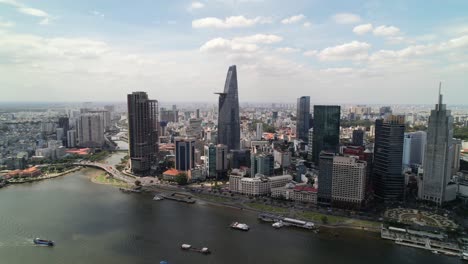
x=111, y=170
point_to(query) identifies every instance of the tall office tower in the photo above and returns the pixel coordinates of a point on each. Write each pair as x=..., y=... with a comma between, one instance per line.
x=221, y=161
x=310, y=150
x=64, y=123
x=349, y=181
x=388, y=180
x=71, y=138
x=240, y=158
x=385, y=110
x=142, y=131
x=210, y=153
x=262, y=164
x=228, y=113
x=197, y=114
x=274, y=116
x=358, y=137
x=90, y=131
x=325, y=177
x=326, y=130
x=185, y=153
x=259, y=135
x=413, y=148
x=457, y=148
x=439, y=154
x=303, y=116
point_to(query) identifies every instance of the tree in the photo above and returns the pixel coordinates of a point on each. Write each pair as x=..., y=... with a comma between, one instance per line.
x=324, y=219
x=181, y=178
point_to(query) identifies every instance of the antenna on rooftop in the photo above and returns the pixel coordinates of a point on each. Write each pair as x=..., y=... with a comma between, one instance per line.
x=440, y=93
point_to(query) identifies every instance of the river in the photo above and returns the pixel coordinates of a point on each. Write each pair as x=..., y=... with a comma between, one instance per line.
x=97, y=224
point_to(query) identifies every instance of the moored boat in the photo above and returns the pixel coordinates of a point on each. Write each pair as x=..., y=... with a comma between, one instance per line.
x=278, y=224
x=43, y=242
x=464, y=256
x=240, y=226
x=157, y=198
x=186, y=246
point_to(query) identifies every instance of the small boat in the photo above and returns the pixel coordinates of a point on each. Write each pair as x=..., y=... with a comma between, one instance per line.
x=157, y=198
x=435, y=252
x=186, y=246
x=464, y=256
x=240, y=226
x=278, y=224
x=205, y=250
x=43, y=242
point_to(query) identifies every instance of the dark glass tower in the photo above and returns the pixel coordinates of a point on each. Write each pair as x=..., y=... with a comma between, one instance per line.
x=326, y=135
x=325, y=177
x=387, y=179
x=228, y=114
x=303, y=116
x=142, y=131
x=358, y=137
x=63, y=122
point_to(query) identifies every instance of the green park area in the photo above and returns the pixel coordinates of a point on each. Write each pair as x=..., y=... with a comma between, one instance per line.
x=105, y=179
x=267, y=208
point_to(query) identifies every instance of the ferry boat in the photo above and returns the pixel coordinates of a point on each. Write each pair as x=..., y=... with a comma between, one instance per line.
x=464, y=256
x=157, y=198
x=278, y=224
x=43, y=242
x=186, y=246
x=240, y=226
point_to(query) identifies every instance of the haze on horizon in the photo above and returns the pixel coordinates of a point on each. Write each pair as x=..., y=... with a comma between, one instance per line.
x=375, y=52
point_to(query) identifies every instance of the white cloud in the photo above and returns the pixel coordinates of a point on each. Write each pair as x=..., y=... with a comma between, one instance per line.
x=239, y=44
x=307, y=24
x=310, y=53
x=346, y=18
x=362, y=29
x=97, y=13
x=386, y=31
x=293, y=19
x=196, y=5
x=260, y=39
x=287, y=50
x=22, y=8
x=349, y=51
x=6, y=24
x=226, y=45
x=229, y=22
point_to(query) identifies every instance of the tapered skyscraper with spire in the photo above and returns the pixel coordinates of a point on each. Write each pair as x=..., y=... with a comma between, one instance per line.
x=228, y=112
x=439, y=153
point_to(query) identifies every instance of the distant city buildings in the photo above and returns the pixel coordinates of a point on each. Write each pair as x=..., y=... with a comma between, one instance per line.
x=185, y=153
x=90, y=131
x=142, y=131
x=228, y=113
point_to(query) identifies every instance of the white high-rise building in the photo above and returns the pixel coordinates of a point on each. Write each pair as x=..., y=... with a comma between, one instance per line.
x=414, y=147
x=438, y=159
x=348, y=180
x=90, y=131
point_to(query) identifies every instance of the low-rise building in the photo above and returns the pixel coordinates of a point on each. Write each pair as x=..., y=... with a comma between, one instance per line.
x=258, y=185
x=296, y=192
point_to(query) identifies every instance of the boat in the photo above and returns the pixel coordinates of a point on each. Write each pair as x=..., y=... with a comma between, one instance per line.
x=464, y=256
x=186, y=246
x=157, y=198
x=435, y=252
x=278, y=224
x=43, y=242
x=240, y=226
x=205, y=250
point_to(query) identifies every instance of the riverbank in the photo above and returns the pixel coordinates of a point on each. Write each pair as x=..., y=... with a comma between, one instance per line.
x=45, y=177
x=104, y=178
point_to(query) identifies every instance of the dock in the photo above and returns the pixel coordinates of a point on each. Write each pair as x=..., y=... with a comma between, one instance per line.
x=287, y=221
x=179, y=197
x=128, y=190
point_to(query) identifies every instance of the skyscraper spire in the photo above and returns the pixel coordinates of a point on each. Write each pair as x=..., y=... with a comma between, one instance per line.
x=440, y=93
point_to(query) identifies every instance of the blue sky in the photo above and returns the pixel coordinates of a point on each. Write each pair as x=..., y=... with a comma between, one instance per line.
x=334, y=51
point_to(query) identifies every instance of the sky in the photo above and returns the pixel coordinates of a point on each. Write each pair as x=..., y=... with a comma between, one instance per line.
x=373, y=52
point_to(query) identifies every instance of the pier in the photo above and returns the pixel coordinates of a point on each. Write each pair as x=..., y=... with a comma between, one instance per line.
x=286, y=221
x=179, y=197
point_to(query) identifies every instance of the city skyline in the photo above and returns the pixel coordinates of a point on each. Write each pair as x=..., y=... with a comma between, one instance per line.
x=373, y=50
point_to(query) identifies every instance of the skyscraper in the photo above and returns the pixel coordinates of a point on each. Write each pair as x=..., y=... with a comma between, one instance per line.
x=349, y=181
x=185, y=153
x=439, y=154
x=64, y=123
x=325, y=177
x=414, y=148
x=388, y=180
x=221, y=161
x=326, y=135
x=142, y=131
x=358, y=137
x=228, y=113
x=90, y=131
x=303, y=116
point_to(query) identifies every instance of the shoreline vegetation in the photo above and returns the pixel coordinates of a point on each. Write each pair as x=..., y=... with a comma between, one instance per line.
x=105, y=179
x=43, y=177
